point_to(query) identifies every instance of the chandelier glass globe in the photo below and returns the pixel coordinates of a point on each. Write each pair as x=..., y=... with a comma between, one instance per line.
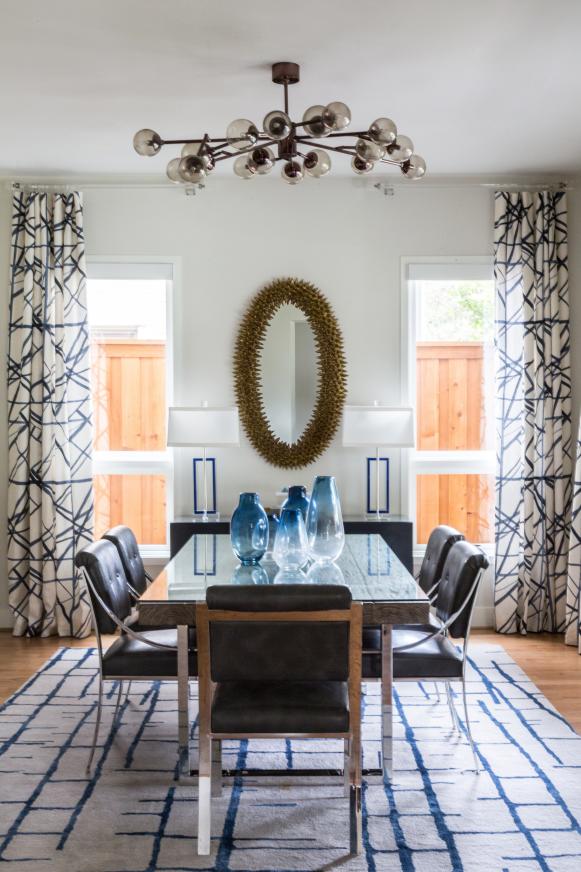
x=262, y=160
x=292, y=172
x=383, y=131
x=317, y=163
x=401, y=150
x=360, y=166
x=337, y=115
x=277, y=125
x=367, y=150
x=243, y=167
x=173, y=170
x=314, y=121
x=147, y=142
x=414, y=168
x=192, y=168
x=241, y=133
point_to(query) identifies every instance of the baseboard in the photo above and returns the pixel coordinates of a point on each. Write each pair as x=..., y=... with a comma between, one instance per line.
x=483, y=617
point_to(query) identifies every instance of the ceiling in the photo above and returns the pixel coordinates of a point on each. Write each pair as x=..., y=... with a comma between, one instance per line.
x=481, y=87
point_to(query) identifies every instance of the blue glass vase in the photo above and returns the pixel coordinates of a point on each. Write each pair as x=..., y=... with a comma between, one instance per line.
x=325, y=531
x=249, y=530
x=297, y=499
x=290, y=544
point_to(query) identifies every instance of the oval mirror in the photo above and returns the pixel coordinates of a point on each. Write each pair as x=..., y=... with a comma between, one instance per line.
x=290, y=373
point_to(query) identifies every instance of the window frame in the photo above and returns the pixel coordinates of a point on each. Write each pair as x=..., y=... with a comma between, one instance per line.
x=144, y=462
x=433, y=462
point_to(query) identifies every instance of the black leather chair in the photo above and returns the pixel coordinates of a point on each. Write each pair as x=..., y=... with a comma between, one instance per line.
x=123, y=538
x=439, y=543
x=425, y=652
x=143, y=656
x=278, y=661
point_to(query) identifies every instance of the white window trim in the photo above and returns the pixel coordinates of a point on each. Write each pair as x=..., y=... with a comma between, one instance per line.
x=144, y=462
x=424, y=462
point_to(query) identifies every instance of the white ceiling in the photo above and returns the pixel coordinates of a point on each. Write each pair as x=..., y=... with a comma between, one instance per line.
x=481, y=87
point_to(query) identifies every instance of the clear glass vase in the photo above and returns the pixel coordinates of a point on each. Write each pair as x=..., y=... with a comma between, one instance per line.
x=290, y=544
x=325, y=531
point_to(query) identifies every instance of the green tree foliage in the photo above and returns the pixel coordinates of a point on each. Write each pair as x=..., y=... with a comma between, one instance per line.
x=456, y=311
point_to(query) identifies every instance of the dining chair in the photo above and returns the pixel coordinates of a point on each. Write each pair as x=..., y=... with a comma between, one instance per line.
x=140, y=656
x=427, y=653
x=440, y=541
x=125, y=541
x=278, y=662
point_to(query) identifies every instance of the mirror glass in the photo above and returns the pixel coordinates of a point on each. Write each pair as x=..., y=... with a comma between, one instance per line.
x=288, y=373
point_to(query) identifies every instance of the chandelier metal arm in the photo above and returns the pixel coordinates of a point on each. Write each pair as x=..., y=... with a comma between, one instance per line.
x=226, y=154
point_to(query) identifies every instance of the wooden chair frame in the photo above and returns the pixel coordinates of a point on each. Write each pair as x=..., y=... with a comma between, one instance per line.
x=209, y=742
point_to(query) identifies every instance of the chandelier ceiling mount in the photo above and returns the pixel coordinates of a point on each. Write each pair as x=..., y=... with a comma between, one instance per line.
x=296, y=144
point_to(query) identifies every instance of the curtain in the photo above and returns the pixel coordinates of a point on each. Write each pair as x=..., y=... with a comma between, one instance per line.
x=50, y=505
x=573, y=616
x=533, y=411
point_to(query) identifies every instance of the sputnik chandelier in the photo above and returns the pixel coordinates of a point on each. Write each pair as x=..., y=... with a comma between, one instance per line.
x=282, y=139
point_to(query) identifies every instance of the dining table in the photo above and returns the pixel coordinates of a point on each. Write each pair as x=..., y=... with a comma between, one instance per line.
x=367, y=565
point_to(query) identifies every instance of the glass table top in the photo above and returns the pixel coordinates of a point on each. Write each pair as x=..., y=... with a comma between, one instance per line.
x=367, y=566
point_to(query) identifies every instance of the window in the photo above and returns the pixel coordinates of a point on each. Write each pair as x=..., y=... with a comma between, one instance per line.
x=128, y=308
x=451, y=309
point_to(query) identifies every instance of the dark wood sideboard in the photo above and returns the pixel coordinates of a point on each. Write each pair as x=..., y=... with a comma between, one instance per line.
x=396, y=530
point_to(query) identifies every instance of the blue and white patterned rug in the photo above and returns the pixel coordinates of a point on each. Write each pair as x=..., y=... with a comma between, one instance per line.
x=523, y=812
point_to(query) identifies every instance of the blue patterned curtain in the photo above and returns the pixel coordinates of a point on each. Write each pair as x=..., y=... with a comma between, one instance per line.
x=573, y=615
x=533, y=417
x=50, y=505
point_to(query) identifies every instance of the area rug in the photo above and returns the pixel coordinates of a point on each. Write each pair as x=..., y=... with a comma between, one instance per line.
x=522, y=812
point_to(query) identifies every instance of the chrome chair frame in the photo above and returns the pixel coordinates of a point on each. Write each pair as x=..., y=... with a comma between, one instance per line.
x=125, y=629
x=443, y=631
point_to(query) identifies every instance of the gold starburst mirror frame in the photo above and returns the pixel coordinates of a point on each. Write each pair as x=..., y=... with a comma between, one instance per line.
x=331, y=373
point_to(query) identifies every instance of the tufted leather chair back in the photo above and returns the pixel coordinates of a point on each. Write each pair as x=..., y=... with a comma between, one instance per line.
x=463, y=563
x=441, y=540
x=292, y=651
x=123, y=538
x=103, y=565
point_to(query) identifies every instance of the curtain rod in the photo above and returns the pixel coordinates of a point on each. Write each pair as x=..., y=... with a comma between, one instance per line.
x=380, y=183
x=74, y=186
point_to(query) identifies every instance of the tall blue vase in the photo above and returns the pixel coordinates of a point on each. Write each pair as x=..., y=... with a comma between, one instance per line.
x=297, y=499
x=325, y=531
x=249, y=530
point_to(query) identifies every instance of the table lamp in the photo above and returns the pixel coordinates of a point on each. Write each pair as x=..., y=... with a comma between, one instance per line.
x=203, y=427
x=379, y=426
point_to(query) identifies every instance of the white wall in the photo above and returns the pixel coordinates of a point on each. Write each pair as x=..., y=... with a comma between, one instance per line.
x=234, y=237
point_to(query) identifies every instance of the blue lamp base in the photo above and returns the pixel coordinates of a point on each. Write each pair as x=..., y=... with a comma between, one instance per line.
x=377, y=488
x=205, y=489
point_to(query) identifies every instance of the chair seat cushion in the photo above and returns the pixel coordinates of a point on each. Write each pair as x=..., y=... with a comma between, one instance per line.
x=280, y=707
x=131, y=658
x=436, y=658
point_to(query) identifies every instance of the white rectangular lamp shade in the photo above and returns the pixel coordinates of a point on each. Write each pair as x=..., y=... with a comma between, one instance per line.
x=378, y=425
x=202, y=427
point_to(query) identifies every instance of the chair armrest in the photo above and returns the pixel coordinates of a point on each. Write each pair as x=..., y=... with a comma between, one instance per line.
x=125, y=628
x=443, y=630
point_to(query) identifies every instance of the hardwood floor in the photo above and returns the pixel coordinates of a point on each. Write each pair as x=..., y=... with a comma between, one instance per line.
x=553, y=666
